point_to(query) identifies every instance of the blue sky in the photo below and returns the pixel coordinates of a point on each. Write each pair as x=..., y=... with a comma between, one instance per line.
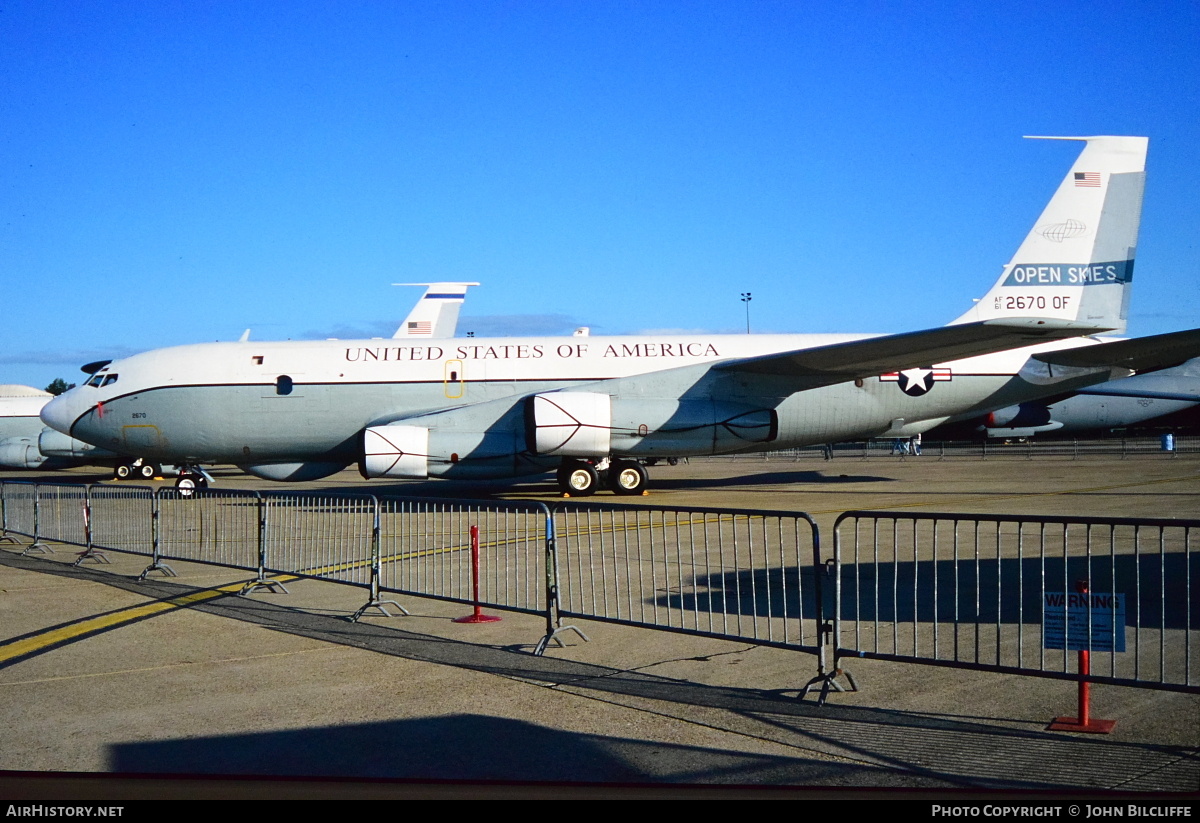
x=178, y=172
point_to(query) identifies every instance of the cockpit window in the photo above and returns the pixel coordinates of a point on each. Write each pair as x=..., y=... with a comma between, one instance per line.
x=109, y=379
x=94, y=380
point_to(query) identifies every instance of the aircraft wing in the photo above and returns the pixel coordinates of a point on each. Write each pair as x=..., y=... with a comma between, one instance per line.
x=1108, y=390
x=840, y=362
x=1159, y=351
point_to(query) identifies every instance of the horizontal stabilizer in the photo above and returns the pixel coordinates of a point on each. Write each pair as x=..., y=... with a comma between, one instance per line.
x=840, y=362
x=1159, y=351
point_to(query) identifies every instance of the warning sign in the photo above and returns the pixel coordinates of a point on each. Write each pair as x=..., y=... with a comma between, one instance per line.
x=1083, y=622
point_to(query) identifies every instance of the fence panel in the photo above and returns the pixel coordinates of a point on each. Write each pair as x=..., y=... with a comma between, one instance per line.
x=722, y=573
x=219, y=527
x=320, y=536
x=61, y=513
x=20, y=498
x=123, y=518
x=425, y=549
x=1001, y=593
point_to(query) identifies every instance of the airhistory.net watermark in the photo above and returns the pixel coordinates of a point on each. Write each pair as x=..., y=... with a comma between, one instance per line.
x=46, y=810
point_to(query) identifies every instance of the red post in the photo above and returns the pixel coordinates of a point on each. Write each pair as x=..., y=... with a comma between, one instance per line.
x=1083, y=721
x=478, y=616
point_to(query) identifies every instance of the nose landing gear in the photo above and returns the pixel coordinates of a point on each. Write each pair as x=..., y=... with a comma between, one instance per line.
x=191, y=479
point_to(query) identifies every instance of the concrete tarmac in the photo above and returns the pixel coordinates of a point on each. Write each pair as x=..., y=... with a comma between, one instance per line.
x=173, y=680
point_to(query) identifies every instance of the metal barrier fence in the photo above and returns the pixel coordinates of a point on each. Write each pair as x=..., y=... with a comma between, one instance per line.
x=18, y=510
x=404, y=546
x=223, y=528
x=997, y=593
x=123, y=518
x=426, y=548
x=736, y=575
x=1003, y=593
x=746, y=575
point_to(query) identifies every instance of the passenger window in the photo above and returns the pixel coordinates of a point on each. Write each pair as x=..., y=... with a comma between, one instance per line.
x=283, y=385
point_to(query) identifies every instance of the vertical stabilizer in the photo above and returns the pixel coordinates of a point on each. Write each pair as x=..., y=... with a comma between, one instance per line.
x=436, y=313
x=1077, y=262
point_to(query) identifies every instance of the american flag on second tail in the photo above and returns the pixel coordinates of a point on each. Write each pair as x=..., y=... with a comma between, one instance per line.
x=1088, y=179
x=420, y=327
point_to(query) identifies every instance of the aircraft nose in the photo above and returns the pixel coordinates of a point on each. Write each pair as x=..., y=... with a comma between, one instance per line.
x=57, y=414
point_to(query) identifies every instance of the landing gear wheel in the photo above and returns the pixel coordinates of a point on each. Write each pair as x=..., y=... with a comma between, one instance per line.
x=148, y=471
x=627, y=477
x=188, y=484
x=578, y=479
x=123, y=471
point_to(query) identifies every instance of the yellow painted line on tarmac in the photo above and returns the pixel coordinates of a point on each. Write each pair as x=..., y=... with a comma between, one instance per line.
x=52, y=637
x=325, y=648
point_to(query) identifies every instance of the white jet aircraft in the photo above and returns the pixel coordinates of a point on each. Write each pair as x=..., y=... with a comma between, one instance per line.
x=595, y=408
x=20, y=426
x=1111, y=405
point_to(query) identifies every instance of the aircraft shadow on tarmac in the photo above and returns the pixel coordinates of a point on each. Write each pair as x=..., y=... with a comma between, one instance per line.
x=480, y=748
x=947, y=590
x=775, y=478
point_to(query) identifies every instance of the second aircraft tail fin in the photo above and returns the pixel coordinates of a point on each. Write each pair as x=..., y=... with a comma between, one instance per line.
x=436, y=313
x=1076, y=264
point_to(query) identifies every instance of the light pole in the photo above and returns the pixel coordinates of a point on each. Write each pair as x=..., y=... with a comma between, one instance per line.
x=746, y=300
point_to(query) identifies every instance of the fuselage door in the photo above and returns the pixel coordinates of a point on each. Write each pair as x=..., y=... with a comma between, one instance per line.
x=453, y=379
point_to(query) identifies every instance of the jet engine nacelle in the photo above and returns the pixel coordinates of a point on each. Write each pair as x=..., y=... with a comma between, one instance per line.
x=1024, y=420
x=485, y=440
x=570, y=424
x=56, y=444
x=1026, y=415
x=20, y=453
x=417, y=452
x=588, y=424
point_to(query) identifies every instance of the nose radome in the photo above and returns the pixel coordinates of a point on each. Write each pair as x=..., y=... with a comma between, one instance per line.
x=57, y=413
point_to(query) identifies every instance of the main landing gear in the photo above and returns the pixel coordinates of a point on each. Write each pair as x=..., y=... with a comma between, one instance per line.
x=582, y=478
x=138, y=469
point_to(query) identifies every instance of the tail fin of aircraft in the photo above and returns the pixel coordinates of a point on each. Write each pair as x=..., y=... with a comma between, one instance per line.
x=436, y=313
x=1077, y=262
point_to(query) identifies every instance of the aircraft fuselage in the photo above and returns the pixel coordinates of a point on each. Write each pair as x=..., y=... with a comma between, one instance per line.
x=261, y=403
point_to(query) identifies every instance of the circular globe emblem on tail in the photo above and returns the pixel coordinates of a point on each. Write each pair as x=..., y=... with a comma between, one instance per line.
x=1058, y=232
